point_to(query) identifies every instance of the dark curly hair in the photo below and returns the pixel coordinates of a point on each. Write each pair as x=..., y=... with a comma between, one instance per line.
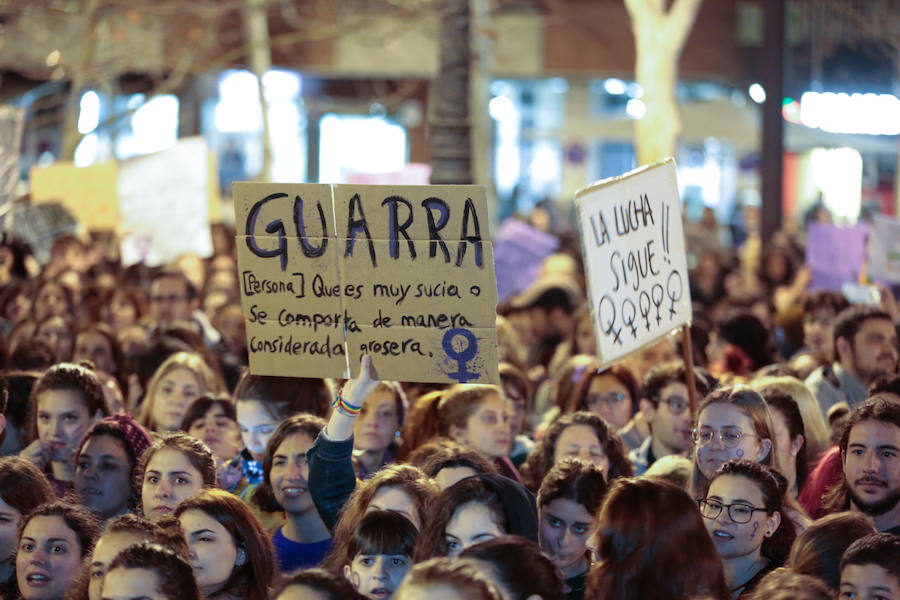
x=540, y=461
x=334, y=586
x=197, y=453
x=174, y=575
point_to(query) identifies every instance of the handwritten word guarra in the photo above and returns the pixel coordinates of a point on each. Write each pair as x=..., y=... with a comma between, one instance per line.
x=313, y=245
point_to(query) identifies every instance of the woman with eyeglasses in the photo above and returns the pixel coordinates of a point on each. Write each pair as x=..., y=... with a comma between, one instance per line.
x=732, y=423
x=612, y=394
x=746, y=521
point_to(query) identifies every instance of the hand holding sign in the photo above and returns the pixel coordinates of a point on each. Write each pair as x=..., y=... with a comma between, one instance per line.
x=633, y=247
x=402, y=274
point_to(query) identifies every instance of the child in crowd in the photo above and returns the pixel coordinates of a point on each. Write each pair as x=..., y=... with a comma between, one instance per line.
x=870, y=568
x=403, y=489
x=377, y=430
x=379, y=554
x=65, y=402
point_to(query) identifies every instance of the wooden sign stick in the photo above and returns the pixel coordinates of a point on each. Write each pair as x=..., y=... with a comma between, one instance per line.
x=687, y=351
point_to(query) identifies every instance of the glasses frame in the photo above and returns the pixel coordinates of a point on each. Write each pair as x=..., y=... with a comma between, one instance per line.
x=701, y=502
x=695, y=436
x=668, y=402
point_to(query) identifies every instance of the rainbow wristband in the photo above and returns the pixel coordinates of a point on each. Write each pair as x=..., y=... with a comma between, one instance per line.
x=345, y=407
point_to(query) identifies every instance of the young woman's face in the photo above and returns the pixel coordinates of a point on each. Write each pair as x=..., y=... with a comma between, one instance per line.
x=785, y=448
x=122, y=313
x=62, y=421
x=9, y=530
x=129, y=584
x=168, y=479
x=107, y=548
x=48, y=559
x=607, y=397
x=487, y=430
x=94, y=347
x=723, y=418
x=51, y=300
x=103, y=476
x=564, y=530
x=377, y=423
x=214, y=553
x=257, y=426
x=289, y=475
x=581, y=442
x=56, y=334
x=174, y=393
x=735, y=540
x=218, y=432
x=471, y=523
x=377, y=576
x=395, y=499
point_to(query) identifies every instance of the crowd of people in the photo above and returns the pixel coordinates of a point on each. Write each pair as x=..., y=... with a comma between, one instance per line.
x=142, y=460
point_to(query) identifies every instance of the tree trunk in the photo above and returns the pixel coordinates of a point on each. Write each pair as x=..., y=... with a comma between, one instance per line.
x=256, y=26
x=71, y=137
x=659, y=37
x=450, y=131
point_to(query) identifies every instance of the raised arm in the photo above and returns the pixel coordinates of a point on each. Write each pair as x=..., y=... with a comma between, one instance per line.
x=331, y=475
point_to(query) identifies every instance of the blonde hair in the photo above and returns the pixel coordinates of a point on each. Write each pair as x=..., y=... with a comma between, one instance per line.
x=207, y=380
x=818, y=439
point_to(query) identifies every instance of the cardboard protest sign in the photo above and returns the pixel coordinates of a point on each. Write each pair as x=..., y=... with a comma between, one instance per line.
x=835, y=255
x=884, y=250
x=403, y=273
x=633, y=244
x=89, y=193
x=164, y=204
x=519, y=250
x=12, y=122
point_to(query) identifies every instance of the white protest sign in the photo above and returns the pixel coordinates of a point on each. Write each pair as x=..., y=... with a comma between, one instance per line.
x=884, y=250
x=164, y=204
x=633, y=244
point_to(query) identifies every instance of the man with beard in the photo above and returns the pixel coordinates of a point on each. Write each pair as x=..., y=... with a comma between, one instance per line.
x=870, y=455
x=865, y=342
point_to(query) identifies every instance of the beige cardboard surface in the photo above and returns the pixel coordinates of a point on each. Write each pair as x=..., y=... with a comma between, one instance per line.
x=89, y=193
x=634, y=255
x=404, y=273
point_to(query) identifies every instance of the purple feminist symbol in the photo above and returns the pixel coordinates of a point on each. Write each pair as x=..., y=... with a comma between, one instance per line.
x=740, y=453
x=755, y=527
